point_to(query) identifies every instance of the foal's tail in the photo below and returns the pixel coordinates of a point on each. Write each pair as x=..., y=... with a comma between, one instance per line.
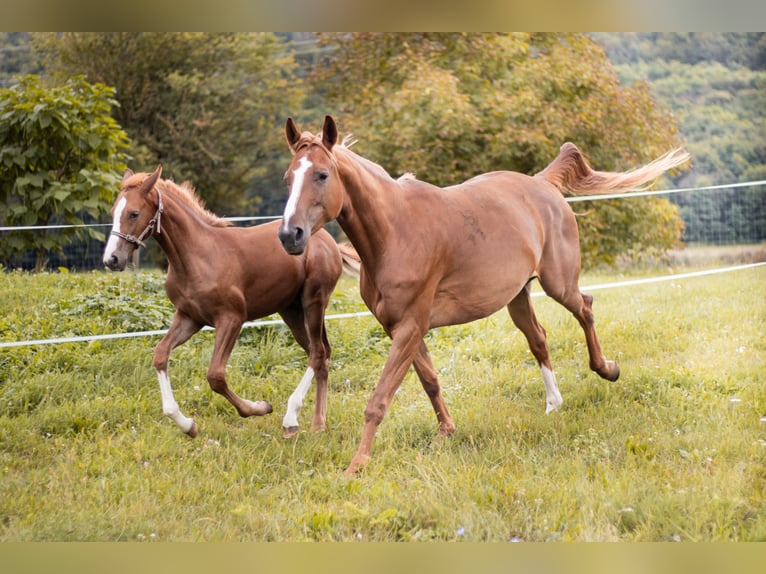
x=571, y=172
x=351, y=261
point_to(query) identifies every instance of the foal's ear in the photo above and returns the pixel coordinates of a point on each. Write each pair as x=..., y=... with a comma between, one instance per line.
x=128, y=173
x=329, y=132
x=148, y=184
x=292, y=133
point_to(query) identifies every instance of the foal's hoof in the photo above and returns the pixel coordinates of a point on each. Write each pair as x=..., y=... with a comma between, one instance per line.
x=614, y=371
x=192, y=432
x=257, y=408
x=289, y=432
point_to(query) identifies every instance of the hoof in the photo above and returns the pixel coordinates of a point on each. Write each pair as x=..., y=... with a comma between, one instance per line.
x=289, y=432
x=192, y=432
x=257, y=409
x=356, y=466
x=614, y=372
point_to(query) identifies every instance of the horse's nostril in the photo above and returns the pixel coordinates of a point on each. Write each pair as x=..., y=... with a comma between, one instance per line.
x=298, y=234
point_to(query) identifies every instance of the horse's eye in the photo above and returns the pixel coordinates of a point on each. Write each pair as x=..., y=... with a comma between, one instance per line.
x=133, y=215
x=322, y=176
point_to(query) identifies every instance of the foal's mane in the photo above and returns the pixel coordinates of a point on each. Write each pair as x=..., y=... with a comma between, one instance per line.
x=185, y=194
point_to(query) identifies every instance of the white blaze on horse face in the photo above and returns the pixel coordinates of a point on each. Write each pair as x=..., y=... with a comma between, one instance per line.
x=553, y=398
x=111, y=245
x=295, y=190
x=295, y=402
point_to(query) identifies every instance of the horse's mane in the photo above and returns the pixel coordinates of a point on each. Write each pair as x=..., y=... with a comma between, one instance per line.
x=308, y=139
x=185, y=194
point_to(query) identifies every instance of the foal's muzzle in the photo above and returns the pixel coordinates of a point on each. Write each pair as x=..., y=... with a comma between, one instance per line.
x=293, y=239
x=115, y=263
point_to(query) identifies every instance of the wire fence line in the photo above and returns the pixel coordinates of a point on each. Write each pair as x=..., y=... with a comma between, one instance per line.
x=337, y=316
x=340, y=316
x=629, y=194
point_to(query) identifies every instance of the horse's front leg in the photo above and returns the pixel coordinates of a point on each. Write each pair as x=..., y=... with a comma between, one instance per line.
x=406, y=339
x=427, y=375
x=181, y=329
x=226, y=333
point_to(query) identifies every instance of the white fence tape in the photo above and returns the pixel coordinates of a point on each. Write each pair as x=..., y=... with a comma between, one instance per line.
x=267, y=322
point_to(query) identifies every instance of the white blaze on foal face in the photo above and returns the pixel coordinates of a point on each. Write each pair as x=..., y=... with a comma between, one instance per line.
x=295, y=190
x=112, y=243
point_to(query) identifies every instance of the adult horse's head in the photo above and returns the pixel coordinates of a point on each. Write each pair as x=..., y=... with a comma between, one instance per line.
x=135, y=217
x=316, y=191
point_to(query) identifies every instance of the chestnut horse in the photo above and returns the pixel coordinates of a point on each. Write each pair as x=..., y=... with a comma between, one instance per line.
x=433, y=256
x=222, y=276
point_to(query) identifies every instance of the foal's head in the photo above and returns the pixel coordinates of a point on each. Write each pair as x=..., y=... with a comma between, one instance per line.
x=135, y=217
x=316, y=191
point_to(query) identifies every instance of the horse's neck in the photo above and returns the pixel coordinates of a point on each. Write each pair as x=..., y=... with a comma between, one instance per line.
x=369, y=208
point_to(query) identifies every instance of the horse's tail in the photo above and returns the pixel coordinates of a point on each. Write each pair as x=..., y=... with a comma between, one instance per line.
x=351, y=261
x=571, y=172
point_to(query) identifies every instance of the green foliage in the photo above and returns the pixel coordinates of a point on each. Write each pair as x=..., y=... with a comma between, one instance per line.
x=208, y=106
x=715, y=85
x=61, y=155
x=672, y=451
x=16, y=58
x=451, y=106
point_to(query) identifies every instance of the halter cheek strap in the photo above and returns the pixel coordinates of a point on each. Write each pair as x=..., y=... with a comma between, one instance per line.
x=156, y=220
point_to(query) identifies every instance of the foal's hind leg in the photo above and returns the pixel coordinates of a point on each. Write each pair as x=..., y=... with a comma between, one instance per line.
x=523, y=315
x=181, y=329
x=226, y=333
x=308, y=329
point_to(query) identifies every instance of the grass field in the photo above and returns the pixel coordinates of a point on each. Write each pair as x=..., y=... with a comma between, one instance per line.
x=674, y=450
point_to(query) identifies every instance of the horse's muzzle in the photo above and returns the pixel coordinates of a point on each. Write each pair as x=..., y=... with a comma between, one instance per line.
x=293, y=239
x=115, y=263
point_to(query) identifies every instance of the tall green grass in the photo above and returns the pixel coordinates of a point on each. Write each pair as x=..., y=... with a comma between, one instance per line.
x=674, y=450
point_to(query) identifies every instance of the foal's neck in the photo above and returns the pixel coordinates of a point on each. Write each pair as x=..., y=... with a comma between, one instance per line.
x=184, y=238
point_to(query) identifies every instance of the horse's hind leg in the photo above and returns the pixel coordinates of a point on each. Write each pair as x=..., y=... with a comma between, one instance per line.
x=427, y=375
x=226, y=333
x=560, y=283
x=523, y=316
x=181, y=329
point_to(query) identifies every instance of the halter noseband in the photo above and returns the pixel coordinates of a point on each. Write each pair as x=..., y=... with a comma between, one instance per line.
x=149, y=228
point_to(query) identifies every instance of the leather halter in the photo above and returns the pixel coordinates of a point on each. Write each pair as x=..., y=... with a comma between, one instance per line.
x=149, y=228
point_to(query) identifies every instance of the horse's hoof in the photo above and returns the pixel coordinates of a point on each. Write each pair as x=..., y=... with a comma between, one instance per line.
x=289, y=432
x=614, y=372
x=192, y=432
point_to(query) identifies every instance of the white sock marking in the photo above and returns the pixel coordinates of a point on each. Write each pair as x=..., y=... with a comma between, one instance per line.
x=295, y=402
x=169, y=405
x=295, y=191
x=553, y=398
x=111, y=244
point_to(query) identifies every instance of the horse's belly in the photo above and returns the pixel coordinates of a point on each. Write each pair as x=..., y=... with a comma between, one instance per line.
x=472, y=302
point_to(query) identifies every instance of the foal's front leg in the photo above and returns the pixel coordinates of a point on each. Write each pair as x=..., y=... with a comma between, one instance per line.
x=226, y=333
x=181, y=329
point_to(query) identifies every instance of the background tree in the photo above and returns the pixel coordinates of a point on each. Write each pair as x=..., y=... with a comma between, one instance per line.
x=61, y=158
x=715, y=85
x=208, y=106
x=450, y=106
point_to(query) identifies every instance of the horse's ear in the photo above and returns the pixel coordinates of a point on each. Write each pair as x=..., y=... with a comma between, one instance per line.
x=128, y=173
x=329, y=132
x=292, y=133
x=148, y=184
